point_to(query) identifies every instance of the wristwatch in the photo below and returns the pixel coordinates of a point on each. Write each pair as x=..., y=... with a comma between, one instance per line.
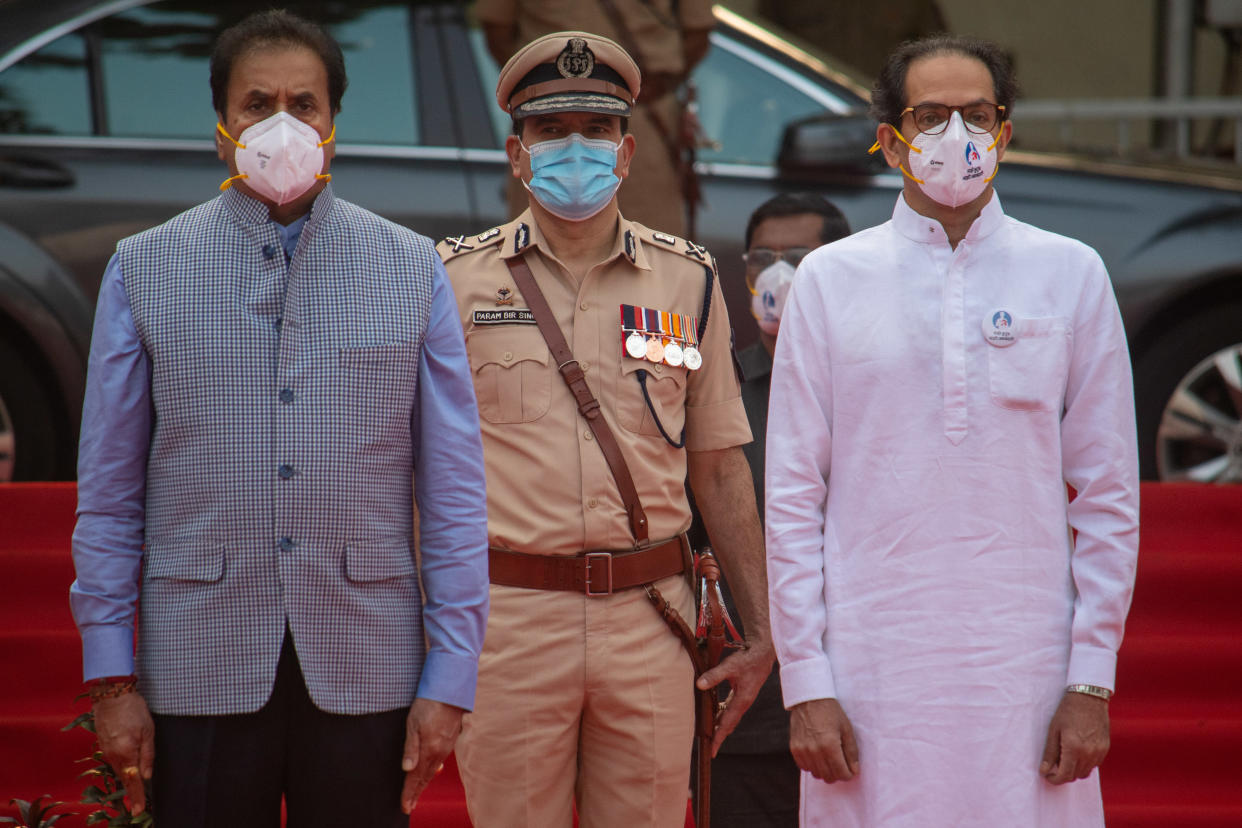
x=1090, y=690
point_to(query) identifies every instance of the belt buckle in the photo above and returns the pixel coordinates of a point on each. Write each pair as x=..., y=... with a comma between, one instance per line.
x=590, y=558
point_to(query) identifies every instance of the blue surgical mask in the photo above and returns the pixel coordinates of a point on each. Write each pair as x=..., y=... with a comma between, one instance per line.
x=572, y=177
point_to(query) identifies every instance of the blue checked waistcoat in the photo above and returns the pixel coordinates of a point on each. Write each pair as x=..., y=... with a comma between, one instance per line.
x=279, y=482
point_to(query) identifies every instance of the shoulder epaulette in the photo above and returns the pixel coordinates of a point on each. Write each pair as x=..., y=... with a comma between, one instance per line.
x=454, y=246
x=658, y=240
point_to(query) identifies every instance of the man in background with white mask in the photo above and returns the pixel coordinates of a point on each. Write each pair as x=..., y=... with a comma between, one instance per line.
x=754, y=777
x=585, y=693
x=275, y=377
x=947, y=623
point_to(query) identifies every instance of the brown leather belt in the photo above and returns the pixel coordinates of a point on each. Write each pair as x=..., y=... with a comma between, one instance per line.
x=592, y=573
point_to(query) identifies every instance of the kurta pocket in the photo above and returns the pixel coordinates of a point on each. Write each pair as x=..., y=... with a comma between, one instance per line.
x=1030, y=374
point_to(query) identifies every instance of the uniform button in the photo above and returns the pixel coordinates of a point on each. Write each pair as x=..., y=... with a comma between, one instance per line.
x=585, y=366
x=287, y=544
x=592, y=503
x=588, y=436
x=585, y=306
x=285, y=471
x=269, y=251
x=287, y=395
x=508, y=356
x=277, y=323
x=659, y=368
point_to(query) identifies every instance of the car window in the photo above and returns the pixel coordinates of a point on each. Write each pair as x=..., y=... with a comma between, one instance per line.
x=48, y=93
x=745, y=100
x=152, y=73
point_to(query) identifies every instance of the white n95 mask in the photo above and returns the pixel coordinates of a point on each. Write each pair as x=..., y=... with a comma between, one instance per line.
x=280, y=157
x=954, y=167
x=769, y=294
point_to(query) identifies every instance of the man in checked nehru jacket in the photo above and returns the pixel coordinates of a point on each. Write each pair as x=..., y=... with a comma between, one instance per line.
x=275, y=375
x=585, y=695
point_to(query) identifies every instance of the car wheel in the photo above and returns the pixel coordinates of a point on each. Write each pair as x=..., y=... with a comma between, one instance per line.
x=1189, y=400
x=28, y=446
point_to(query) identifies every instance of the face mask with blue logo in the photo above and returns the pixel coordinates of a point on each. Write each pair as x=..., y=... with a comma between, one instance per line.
x=572, y=177
x=767, y=301
x=954, y=167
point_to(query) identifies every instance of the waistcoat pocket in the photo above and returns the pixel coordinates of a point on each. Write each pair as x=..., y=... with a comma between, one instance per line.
x=183, y=560
x=378, y=560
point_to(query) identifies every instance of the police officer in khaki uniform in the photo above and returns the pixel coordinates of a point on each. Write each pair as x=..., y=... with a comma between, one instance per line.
x=667, y=38
x=585, y=696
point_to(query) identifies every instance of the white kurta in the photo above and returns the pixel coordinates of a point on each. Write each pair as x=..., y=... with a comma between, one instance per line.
x=920, y=561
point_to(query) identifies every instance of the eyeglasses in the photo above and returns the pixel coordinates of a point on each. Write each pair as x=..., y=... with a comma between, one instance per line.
x=761, y=257
x=932, y=118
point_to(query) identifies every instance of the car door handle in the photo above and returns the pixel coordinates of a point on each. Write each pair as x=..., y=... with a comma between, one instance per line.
x=28, y=172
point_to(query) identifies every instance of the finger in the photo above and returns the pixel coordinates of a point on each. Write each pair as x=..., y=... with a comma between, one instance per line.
x=146, y=754
x=714, y=676
x=849, y=749
x=131, y=778
x=1066, y=766
x=411, y=791
x=1052, y=750
x=725, y=724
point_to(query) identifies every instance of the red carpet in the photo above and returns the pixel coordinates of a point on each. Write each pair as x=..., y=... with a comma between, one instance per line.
x=1176, y=758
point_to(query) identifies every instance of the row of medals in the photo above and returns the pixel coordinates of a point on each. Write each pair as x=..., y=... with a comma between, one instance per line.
x=655, y=349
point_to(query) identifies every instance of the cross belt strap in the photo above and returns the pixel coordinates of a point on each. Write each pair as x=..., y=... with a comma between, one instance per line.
x=592, y=573
x=588, y=406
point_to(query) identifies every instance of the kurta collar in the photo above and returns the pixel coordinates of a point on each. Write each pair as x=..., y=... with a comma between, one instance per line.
x=524, y=233
x=919, y=228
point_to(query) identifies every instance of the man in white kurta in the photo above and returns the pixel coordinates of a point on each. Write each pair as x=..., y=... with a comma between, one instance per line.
x=946, y=644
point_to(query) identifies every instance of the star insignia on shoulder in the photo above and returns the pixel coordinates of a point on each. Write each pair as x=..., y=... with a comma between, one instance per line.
x=631, y=246
x=490, y=234
x=459, y=243
x=664, y=237
x=698, y=251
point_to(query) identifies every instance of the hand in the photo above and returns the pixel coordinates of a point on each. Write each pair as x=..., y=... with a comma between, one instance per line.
x=1077, y=739
x=127, y=740
x=746, y=671
x=821, y=740
x=431, y=730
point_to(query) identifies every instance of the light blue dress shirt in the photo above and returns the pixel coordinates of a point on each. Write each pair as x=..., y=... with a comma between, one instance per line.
x=448, y=483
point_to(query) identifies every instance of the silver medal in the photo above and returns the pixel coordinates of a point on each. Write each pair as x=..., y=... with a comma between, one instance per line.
x=636, y=345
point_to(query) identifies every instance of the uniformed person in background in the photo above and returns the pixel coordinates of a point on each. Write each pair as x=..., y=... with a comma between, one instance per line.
x=585, y=695
x=666, y=38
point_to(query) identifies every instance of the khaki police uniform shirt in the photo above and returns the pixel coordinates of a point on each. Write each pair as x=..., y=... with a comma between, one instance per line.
x=549, y=488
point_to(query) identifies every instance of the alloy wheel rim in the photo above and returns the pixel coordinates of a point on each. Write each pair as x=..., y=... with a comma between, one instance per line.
x=1200, y=433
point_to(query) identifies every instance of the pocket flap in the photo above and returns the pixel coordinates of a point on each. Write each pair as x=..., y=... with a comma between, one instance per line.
x=184, y=560
x=378, y=560
x=506, y=349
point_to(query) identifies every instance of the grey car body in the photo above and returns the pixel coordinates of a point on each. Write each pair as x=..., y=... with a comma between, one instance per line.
x=105, y=130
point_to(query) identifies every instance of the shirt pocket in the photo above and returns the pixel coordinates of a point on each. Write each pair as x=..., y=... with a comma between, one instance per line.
x=667, y=388
x=1030, y=374
x=512, y=374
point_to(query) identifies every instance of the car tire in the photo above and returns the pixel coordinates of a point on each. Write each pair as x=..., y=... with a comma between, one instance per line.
x=28, y=438
x=1180, y=359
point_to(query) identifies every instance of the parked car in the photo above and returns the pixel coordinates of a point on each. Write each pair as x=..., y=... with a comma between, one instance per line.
x=106, y=125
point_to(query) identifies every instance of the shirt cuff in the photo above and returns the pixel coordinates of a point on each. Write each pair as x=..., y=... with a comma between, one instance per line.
x=807, y=680
x=717, y=425
x=1092, y=665
x=449, y=678
x=107, y=650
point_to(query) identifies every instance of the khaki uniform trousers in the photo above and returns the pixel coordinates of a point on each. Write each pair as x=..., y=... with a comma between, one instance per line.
x=586, y=700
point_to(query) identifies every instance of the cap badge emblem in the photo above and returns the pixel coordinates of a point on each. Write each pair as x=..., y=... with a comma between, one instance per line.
x=576, y=59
